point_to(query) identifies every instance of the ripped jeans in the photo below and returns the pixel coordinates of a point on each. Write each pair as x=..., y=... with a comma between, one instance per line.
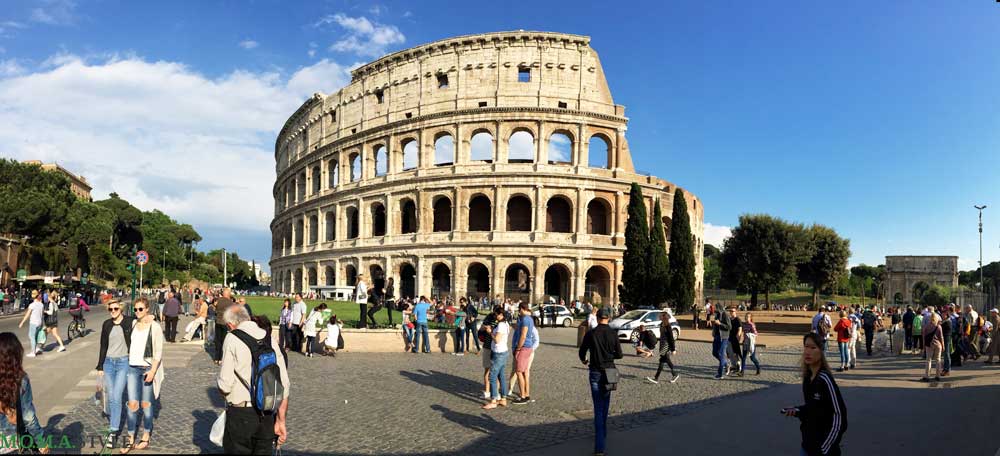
x=141, y=392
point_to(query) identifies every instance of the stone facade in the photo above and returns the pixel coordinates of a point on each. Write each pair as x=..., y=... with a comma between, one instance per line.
x=478, y=165
x=903, y=273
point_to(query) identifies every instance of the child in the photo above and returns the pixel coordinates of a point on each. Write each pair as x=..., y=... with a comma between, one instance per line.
x=332, y=336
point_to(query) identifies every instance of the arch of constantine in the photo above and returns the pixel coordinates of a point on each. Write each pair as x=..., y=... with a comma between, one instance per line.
x=904, y=273
x=478, y=165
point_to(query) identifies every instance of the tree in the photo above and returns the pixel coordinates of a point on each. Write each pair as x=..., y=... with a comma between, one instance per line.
x=681, y=255
x=825, y=260
x=635, y=269
x=936, y=296
x=659, y=269
x=711, y=251
x=713, y=272
x=761, y=255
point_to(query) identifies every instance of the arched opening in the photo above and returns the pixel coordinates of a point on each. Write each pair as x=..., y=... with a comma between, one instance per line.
x=355, y=162
x=557, y=283
x=376, y=278
x=480, y=214
x=482, y=147
x=407, y=216
x=517, y=283
x=312, y=277
x=350, y=275
x=560, y=149
x=596, y=285
x=411, y=155
x=477, y=286
x=558, y=218
x=407, y=281
x=598, y=152
x=297, y=280
x=290, y=233
x=317, y=180
x=381, y=161
x=897, y=298
x=333, y=170
x=440, y=281
x=352, y=223
x=667, y=223
x=331, y=226
x=378, y=220
x=331, y=277
x=442, y=214
x=299, y=232
x=301, y=181
x=521, y=147
x=597, y=217
x=444, y=150
x=919, y=290
x=313, y=229
x=519, y=213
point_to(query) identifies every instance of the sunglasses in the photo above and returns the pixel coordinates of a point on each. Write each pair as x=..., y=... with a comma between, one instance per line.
x=114, y=309
x=140, y=309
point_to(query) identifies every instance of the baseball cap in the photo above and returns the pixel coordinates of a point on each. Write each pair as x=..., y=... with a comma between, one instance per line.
x=604, y=313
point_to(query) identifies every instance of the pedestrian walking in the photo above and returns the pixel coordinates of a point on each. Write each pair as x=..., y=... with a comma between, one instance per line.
x=254, y=422
x=20, y=423
x=171, y=315
x=822, y=325
x=668, y=348
x=918, y=333
x=750, y=342
x=221, y=304
x=283, y=324
x=420, y=328
x=33, y=315
x=460, y=328
x=113, y=365
x=145, y=374
x=524, y=352
x=599, y=350
x=471, y=315
x=719, y=321
x=361, y=298
x=946, y=334
x=843, y=331
x=389, y=298
x=52, y=319
x=823, y=416
x=499, y=352
x=908, y=328
x=934, y=346
x=736, y=340
x=852, y=345
x=870, y=321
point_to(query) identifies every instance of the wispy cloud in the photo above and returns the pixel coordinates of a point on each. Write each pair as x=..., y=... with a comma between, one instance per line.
x=363, y=37
x=10, y=67
x=376, y=10
x=55, y=12
x=7, y=26
x=312, y=49
x=249, y=44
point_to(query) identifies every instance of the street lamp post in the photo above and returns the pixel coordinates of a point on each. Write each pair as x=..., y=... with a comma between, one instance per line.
x=980, y=246
x=165, y=251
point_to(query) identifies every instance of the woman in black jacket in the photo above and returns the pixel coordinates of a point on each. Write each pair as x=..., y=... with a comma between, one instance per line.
x=824, y=415
x=112, y=363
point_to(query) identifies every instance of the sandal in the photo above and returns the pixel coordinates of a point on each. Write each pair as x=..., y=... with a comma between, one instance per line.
x=491, y=405
x=143, y=443
x=128, y=445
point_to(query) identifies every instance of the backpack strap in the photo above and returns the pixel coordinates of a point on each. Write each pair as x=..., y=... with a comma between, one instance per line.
x=254, y=346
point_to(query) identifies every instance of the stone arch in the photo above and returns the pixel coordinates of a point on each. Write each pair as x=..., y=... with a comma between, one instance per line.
x=376, y=278
x=597, y=284
x=407, y=216
x=481, y=146
x=299, y=233
x=599, y=217
x=517, y=282
x=599, y=151
x=480, y=213
x=560, y=148
x=350, y=275
x=442, y=214
x=521, y=146
x=331, y=226
x=381, y=160
x=313, y=229
x=557, y=283
x=301, y=181
x=331, y=276
x=444, y=149
x=407, y=281
x=378, y=219
x=478, y=282
x=317, y=181
x=297, y=280
x=313, y=280
x=354, y=160
x=440, y=280
x=333, y=171
x=559, y=215
x=351, y=213
x=411, y=154
x=519, y=209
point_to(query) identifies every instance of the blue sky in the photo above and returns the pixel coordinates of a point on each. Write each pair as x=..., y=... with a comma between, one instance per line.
x=879, y=119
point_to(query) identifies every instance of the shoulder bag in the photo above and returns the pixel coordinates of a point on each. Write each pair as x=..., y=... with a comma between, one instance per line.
x=610, y=378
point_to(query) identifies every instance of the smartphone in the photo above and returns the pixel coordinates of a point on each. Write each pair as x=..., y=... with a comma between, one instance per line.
x=794, y=411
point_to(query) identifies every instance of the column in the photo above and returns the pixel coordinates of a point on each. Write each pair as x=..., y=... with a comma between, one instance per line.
x=341, y=166
x=423, y=226
x=294, y=236
x=499, y=221
x=461, y=151
x=460, y=210
x=460, y=274
x=619, y=224
x=304, y=283
x=422, y=284
x=541, y=153
x=503, y=143
x=579, y=279
x=581, y=213
x=616, y=279
x=579, y=157
x=538, y=224
x=390, y=216
x=619, y=139
x=537, y=280
x=364, y=230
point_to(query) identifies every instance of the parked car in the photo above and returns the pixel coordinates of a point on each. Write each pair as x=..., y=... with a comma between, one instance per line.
x=563, y=316
x=627, y=325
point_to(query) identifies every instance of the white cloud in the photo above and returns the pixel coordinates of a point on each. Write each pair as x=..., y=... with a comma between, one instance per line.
x=159, y=133
x=376, y=10
x=312, y=49
x=55, y=12
x=715, y=235
x=10, y=68
x=249, y=44
x=364, y=37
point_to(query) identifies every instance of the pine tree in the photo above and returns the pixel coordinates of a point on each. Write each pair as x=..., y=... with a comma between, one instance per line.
x=634, y=287
x=681, y=255
x=659, y=269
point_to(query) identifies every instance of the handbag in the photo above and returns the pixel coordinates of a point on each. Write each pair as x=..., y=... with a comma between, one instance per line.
x=218, y=429
x=610, y=379
x=340, y=342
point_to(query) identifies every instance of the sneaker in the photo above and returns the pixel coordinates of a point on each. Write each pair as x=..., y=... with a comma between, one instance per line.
x=758, y=371
x=30, y=355
x=459, y=354
x=840, y=369
x=674, y=379
x=925, y=379
x=522, y=400
x=718, y=377
x=652, y=380
x=62, y=349
x=486, y=394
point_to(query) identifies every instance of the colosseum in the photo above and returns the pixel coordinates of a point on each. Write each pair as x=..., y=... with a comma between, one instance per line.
x=492, y=164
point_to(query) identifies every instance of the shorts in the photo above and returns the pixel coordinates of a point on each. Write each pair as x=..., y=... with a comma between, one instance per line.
x=522, y=359
x=485, y=355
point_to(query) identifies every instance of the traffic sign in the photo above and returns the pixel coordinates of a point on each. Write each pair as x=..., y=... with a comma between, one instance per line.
x=83, y=280
x=141, y=257
x=22, y=275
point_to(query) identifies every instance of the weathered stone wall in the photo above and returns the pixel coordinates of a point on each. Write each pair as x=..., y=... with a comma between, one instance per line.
x=402, y=133
x=904, y=272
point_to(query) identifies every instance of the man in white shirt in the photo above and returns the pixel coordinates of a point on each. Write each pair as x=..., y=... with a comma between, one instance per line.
x=295, y=322
x=248, y=432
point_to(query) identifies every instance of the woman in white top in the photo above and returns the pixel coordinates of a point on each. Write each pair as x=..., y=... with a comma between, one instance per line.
x=408, y=325
x=332, y=335
x=145, y=374
x=498, y=356
x=34, y=318
x=52, y=319
x=311, y=328
x=361, y=298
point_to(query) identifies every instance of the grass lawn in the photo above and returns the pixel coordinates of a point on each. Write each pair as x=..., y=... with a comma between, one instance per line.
x=804, y=298
x=345, y=311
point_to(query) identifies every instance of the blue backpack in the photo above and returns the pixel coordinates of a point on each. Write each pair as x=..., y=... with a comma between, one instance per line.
x=266, y=390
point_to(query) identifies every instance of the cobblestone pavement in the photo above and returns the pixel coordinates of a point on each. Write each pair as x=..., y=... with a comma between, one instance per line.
x=378, y=403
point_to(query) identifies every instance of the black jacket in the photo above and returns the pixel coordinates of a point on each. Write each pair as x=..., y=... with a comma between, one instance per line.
x=126, y=324
x=721, y=332
x=602, y=345
x=667, y=337
x=823, y=416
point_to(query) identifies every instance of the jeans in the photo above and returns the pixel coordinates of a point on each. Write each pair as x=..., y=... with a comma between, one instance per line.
x=141, y=392
x=750, y=349
x=33, y=336
x=602, y=402
x=845, y=358
x=362, y=320
x=115, y=378
x=247, y=432
x=852, y=350
x=459, y=340
x=421, y=330
x=470, y=330
x=407, y=334
x=498, y=361
x=947, y=354
x=908, y=337
x=719, y=352
x=664, y=359
x=310, y=342
x=186, y=307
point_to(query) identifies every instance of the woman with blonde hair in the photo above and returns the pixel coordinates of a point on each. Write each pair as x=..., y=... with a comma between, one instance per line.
x=934, y=345
x=145, y=374
x=52, y=319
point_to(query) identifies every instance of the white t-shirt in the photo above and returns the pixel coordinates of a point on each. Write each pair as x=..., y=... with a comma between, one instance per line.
x=36, y=307
x=361, y=293
x=500, y=334
x=332, y=332
x=592, y=321
x=298, y=312
x=309, y=329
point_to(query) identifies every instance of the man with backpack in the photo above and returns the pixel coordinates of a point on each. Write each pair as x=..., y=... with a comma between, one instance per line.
x=253, y=378
x=822, y=325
